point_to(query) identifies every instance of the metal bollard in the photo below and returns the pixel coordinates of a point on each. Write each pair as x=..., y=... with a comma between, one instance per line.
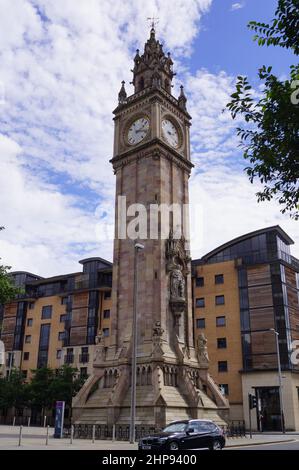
x=72, y=434
x=45, y=421
x=20, y=436
x=29, y=419
x=14, y=421
x=113, y=432
x=93, y=433
x=47, y=437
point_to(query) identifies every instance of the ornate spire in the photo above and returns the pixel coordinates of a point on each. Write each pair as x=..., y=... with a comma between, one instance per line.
x=182, y=99
x=153, y=67
x=122, y=95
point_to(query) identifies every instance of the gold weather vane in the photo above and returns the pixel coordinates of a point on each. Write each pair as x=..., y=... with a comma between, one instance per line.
x=154, y=21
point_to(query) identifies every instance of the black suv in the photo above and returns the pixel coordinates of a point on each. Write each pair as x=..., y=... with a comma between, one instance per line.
x=188, y=434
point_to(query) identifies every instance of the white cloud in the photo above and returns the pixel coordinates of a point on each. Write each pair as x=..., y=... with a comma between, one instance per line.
x=61, y=67
x=219, y=189
x=237, y=6
x=45, y=232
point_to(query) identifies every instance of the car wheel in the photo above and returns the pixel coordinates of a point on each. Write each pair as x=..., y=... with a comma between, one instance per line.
x=216, y=445
x=173, y=445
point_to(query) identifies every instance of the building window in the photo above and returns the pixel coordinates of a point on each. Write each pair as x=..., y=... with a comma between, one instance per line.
x=44, y=339
x=222, y=366
x=200, y=303
x=64, y=300
x=106, y=332
x=84, y=356
x=224, y=389
x=26, y=356
x=58, y=354
x=200, y=323
x=63, y=318
x=221, y=343
x=46, y=312
x=28, y=339
x=219, y=279
x=24, y=373
x=107, y=294
x=106, y=313
x=220, y=321
x=200, y=281
x=31, y=305
x=61, y=335
x=83, y=371
x=29, y=321
x=219, y=300
x=69, y=357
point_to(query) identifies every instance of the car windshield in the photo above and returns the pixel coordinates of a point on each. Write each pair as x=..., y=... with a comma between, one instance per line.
x=176, y=427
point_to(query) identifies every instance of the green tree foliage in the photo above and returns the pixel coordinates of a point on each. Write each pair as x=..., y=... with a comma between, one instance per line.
x=14, y=392
x=8, y=290
x=46, y=387
x=270, y=139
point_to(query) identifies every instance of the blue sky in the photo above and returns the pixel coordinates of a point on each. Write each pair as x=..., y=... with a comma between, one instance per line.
x=61, y=66
x=225, y=43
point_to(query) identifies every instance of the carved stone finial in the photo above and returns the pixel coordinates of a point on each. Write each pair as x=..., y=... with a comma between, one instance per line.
x=122, y=95
x=182, y=99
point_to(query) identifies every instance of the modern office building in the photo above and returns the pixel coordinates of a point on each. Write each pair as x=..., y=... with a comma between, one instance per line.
x=56, y=320
x=242, y=292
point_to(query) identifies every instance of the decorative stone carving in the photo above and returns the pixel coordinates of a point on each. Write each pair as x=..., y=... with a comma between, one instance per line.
x=157, y=339
x=177, y=284
x=177, y=267
x=176, y=254
x=157, y=330
x=202, y=350
x=99, y=355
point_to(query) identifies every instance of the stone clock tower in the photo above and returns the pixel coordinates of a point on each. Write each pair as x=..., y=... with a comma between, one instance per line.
x=152, y=165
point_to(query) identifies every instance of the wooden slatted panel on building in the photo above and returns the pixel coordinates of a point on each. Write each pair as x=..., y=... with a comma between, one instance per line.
x=259, y=275
x=293, y=299
x=10, y=310
x=264, y=361
x=263, y=342
x=262, y=318
x=290, y=277
x=78, y=336
x=80, y=300
x=260, y=296
x=8, y=325
x=79, y=317
x=8, y=341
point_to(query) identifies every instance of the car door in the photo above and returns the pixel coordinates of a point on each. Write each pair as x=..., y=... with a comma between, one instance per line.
x=192, y=436
x=204, y=435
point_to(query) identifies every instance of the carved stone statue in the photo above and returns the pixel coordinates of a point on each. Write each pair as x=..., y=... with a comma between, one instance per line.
x=202, y=349
x=177, y=284
x=157, y=329
x=99, y=354
x=98, y=338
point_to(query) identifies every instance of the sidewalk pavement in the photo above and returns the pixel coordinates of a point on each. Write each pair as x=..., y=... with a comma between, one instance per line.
x=35, y=439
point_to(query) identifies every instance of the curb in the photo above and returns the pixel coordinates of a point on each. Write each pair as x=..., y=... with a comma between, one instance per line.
x=250, y=444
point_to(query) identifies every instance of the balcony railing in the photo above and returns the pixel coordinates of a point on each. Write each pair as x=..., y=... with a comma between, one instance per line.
x=69, y=359
x=84, y=358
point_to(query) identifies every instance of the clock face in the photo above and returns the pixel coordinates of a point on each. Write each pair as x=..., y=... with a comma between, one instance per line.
x=138, y=130
x=170, y=133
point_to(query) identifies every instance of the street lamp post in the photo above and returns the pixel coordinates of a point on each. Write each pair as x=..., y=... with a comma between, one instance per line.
x=138, y=247
x=280, y=380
